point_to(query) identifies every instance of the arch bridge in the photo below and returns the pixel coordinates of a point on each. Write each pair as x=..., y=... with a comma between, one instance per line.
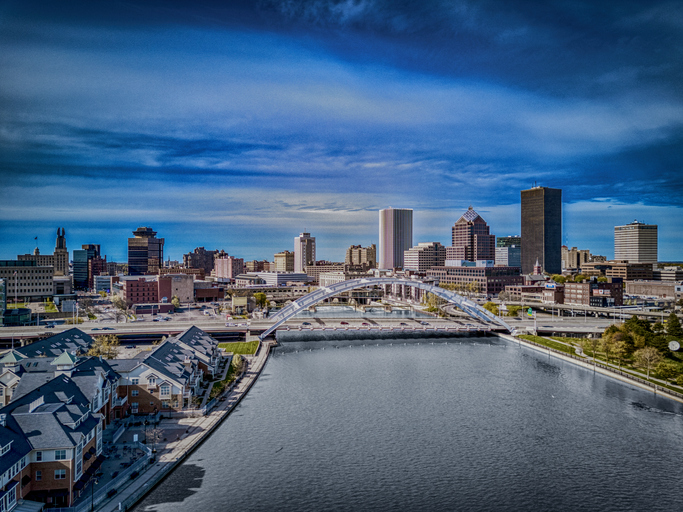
x=326, y=292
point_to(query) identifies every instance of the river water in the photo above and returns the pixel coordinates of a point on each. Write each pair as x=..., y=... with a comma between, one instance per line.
x=457, y=424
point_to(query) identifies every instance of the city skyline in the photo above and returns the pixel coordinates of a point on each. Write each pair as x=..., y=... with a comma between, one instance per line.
x=236, y=126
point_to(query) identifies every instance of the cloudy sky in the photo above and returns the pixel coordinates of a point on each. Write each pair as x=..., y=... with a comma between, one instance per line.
x=237, y=125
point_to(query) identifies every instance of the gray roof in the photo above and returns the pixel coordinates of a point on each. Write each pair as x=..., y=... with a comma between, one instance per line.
x=53, y=346
x=169, y=360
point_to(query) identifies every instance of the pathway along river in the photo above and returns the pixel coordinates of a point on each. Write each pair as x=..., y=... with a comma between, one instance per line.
x=460, y=424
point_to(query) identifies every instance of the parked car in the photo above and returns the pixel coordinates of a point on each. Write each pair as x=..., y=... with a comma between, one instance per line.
x=403, y=323
x=343, y=323
x=424, y=323
x=365, y=323
x=305, y=323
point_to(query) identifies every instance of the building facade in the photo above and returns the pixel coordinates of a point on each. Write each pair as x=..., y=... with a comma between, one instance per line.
x=636, y=242
x=228, y=267
x=365, y=257
x=471, y=240
x=200, y=258
x=145, y=252
x=82, y=257
x=478, y=279
x=26, y=280
x=542, y=229
x=424, y=256
x=284, y=261
x=304, y=252
x=395, y=236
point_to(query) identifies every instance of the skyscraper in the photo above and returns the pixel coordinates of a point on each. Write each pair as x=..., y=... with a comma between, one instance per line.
x=542, y=229
x=145, y=252
x=82, y=259
x=395, y=236
x=471, y=240
x=636, y=242
x=304, y=252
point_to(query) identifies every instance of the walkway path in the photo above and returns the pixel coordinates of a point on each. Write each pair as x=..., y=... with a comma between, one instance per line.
x=196, y=430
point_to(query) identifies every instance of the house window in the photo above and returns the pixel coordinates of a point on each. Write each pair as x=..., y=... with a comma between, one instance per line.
x=165, y=390
x=135, y=392
x=60, y=474
x=164, y=404
x=60, y=454
x=39, y=456
x=135, y=381
x=151, y=382
x=39, y=476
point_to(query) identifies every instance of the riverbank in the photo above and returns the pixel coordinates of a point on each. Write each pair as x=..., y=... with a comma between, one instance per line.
x=196, y=431
x=598, y=367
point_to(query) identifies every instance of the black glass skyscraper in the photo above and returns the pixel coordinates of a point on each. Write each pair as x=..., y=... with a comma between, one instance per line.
x=542, y=229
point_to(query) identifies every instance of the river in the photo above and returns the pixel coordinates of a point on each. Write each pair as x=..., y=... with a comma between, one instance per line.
x=457, y=424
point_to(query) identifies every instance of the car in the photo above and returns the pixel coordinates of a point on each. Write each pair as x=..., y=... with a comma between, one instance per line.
x=343, y=323
x=95, y=329
x=50, y=326
x=230, y=324
x=305, y=323
x=365, y=323
x=107, y=329
x=155, y=320
x=424, y=323
x=130, y=346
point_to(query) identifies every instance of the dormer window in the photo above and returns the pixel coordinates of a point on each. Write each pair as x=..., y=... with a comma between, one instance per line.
x=151, y=381
x=6, y=448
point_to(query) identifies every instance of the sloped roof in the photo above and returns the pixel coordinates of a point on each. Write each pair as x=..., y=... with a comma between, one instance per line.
x=470, y=216
x=53, y=346
x=65, y=359
x=12, y=356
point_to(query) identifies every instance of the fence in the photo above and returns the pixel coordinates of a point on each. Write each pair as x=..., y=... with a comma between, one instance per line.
x=610, y=369
x=102, y=493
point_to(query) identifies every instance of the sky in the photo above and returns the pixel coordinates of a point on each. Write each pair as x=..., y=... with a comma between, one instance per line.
x=237, y=125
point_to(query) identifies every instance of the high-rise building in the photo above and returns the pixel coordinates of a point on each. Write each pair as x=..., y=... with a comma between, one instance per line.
x=82, y=259
x=304, y=252
x=395, y=236
x=424, y=256
x=284, y=261
x=542, y=229
x=228, y=267
x=61, y=255
x=145, y=252
x=471, y=240
x=574, y=258
x=636, y=242
x=365, y=257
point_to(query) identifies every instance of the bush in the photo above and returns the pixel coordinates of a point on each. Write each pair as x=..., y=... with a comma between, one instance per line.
x=667, y=371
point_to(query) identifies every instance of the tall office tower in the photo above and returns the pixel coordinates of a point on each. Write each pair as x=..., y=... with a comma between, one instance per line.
x=145, y=252
x=542, y=229
x=471, y=240
x=82, y=259
x=395, y=236
x=304, y=252
x=61, y=255
x=283, y=262
x=636, y=242
x=362, y=256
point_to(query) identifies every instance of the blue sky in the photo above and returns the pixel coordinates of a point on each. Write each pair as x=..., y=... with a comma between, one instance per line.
x=237, y=125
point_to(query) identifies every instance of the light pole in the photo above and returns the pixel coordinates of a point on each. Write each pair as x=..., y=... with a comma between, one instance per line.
x=92, y=495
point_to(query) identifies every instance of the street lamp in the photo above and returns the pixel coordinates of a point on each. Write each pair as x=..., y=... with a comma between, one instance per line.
x=92, y=495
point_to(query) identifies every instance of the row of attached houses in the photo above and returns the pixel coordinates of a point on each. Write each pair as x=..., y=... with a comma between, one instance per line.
x=55, y=401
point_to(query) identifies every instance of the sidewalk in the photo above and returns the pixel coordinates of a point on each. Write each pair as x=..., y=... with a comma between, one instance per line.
x=189, y=433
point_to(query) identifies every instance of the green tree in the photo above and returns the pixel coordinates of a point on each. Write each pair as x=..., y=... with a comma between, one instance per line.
x=106, y=346
x=261, y=299
x=607, y=345
x=602, y=279
x=492, y=307
x=103, y=294
x=579, y=278
x=667, y=370
x=621, y=351
x=647, y=358
x=591, y=344
x=175, y=301
x=119, y=303
x=673, y=326
x=559, y=278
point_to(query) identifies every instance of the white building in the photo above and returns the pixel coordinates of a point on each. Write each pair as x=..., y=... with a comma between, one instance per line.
x=304, y=252
x=636, y=243
x=424, y=256
x=395, y=236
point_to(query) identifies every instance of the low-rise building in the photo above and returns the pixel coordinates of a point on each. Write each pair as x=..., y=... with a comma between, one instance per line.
x=489, y=280
x=26, y=280
x=594, y=293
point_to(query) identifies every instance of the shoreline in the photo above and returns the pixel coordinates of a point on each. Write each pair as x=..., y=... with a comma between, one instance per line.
x=599, y=368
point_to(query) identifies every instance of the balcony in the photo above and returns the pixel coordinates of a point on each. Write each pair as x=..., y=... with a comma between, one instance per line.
x=120, y=401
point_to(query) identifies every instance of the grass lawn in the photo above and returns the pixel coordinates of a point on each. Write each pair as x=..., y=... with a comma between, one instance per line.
x=241, y=347
x=549, y=343
x=17, y=305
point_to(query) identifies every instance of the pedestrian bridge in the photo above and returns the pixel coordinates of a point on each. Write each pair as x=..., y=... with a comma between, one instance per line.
x=325, y=292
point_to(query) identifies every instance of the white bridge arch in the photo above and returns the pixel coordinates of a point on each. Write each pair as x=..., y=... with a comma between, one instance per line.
x=325, y=292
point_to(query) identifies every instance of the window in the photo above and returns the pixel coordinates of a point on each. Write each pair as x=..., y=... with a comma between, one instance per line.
x=134, y=392
x=39, y=476
x=151, y=381
x=60, y=454
x=165, y=390
x=135, y=381
x=164, y=404
x=39, y=456
x=60, y=474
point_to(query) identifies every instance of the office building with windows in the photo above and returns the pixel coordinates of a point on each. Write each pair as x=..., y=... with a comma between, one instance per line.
x=304, y=252
x=542, y=229
x=145, y=252
x=395, y=236
x=636, y=242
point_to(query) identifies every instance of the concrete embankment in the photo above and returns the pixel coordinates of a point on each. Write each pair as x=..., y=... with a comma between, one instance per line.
x=598, y=367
